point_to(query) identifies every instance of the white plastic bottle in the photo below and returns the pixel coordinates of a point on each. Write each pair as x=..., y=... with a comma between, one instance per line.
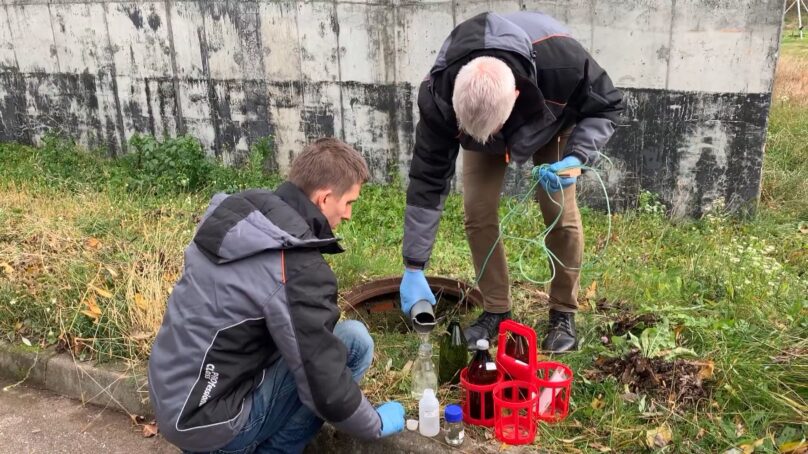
x=429, y=414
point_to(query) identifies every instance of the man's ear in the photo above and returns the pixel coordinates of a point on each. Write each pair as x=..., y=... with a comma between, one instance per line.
x=516, y=95
x=320, y=197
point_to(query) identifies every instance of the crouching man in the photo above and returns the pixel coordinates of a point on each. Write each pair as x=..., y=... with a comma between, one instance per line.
x=250, y=357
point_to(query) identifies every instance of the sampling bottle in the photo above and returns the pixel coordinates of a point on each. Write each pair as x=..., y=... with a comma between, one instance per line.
x=453, y=354
x=429, y=414
x=455, y=434
x=516, y=347
x=482, y=371
x=423, y=372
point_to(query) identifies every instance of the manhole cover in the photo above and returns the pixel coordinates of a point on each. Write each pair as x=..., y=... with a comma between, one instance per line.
x=377, y=302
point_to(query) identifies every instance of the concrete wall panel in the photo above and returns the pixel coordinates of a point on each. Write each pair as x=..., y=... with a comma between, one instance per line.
x=696, y=76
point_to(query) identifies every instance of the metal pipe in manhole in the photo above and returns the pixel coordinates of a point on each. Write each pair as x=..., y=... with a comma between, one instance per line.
x=377, y=302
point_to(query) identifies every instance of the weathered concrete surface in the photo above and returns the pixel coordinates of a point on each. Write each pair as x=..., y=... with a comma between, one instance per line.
x=40, y=422
x=79, y=426
x=697, y=77
x=111, y=386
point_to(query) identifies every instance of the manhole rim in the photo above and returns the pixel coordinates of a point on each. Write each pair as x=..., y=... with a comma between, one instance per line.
x=378, y=287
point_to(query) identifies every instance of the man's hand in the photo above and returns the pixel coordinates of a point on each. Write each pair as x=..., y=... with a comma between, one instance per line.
x=392, y=416
x=549, y=177
x=414, y=288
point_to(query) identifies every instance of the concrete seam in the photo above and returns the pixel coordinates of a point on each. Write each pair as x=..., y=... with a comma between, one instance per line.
x=592, y=26
x=53, y=37
x=22, y=120
x=212, y=100
x=339, y=73
x=114, y=76
x=670, y=45
x=300, y=58
x=175, y=80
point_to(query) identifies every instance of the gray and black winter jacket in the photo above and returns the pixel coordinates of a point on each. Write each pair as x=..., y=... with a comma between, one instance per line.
x=255, y=290
x=559, y=83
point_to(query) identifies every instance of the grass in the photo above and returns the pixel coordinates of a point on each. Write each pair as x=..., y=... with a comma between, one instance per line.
x=90, y=248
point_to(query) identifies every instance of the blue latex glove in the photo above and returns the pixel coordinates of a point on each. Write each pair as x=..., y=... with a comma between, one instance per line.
x=392, y=416
x=548, y=178
x=414, y=288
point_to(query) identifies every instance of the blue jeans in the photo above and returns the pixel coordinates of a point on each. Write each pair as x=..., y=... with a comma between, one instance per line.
x=279, y=422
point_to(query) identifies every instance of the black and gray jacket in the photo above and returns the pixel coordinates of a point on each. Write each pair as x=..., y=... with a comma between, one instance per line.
x=559, y=83
x=255, y=290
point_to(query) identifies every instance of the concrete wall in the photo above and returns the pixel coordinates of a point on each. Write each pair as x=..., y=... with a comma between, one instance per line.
x=697, y=75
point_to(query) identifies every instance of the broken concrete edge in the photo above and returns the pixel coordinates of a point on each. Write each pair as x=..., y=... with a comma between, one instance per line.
x=126, y=391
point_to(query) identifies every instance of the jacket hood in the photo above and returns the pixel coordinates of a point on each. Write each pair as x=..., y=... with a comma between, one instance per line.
x=241, y=225
x=486, y=31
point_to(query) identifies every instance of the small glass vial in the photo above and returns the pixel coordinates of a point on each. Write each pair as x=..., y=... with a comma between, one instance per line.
x=454, y=425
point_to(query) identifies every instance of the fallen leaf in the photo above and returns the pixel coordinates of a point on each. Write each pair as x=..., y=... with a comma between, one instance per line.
x=803, y=228
x=150, y=430
x=112, y=273
x=597, y=403
x=406, y=369
x=25, y=341
x=749, y=448
x=659, y=437
x=591, y=290
x=701, y=433
x=17, y=326
x=92, y=311
x=140, y=302
x=140, y=336
x=101, y=291
x=7, y=269
x=93, y=243
x=794, y=447
x=707, y=370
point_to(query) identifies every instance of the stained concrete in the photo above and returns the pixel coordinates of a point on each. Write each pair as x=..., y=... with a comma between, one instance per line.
x=697, y=77
x=37, y=421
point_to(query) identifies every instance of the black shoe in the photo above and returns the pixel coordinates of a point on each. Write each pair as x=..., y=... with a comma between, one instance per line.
x=561, y=334
x=485, y=327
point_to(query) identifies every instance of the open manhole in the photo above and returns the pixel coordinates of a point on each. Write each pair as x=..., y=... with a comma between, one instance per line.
x=377, y=302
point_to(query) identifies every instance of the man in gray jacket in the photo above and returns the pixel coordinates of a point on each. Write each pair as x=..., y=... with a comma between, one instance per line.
x=507, y=87
x=250, y=355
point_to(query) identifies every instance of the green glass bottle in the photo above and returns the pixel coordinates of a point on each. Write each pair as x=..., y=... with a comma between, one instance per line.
x=453, y=354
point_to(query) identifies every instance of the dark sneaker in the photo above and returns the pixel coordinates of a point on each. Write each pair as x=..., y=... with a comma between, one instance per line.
x=485, y=327
x=561, y=334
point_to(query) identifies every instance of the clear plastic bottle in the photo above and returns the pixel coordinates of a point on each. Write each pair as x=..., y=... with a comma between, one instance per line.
x=429, y=414
x=455, y=434
x=423, y=372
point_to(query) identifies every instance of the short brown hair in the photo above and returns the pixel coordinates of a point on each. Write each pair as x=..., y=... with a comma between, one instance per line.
x=328, y=164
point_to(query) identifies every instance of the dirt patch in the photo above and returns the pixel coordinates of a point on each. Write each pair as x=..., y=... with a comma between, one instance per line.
x=630, y=323
x=622, y=319
x=680, y=383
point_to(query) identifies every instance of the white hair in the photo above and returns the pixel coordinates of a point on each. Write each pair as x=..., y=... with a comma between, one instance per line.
x=483, y=97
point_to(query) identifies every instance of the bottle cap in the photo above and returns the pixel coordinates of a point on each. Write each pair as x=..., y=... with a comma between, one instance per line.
x=453, y=413
x=428, y=393
x=482, y=344
x=412, y=424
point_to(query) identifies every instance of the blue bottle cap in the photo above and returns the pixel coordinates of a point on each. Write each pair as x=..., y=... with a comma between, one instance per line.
x=453, y=413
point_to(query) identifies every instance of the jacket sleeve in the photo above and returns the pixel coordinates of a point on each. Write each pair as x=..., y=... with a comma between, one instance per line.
x=432, y=168
x=301, y=318
x=599, y=105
